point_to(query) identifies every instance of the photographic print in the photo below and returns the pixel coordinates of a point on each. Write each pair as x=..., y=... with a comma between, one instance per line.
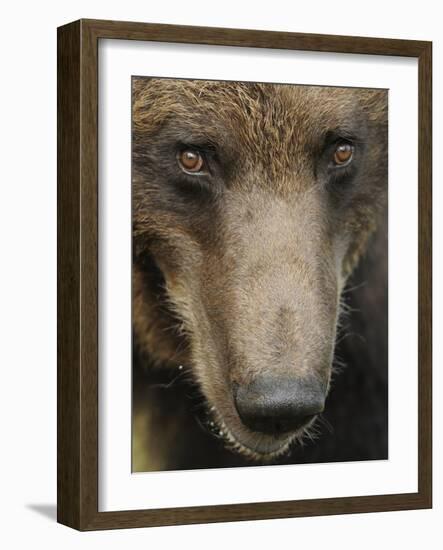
x=259, y=274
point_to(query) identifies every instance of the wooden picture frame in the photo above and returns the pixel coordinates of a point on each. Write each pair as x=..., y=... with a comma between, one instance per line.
x=78, y=276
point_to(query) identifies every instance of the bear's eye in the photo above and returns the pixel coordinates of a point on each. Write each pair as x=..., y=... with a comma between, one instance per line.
x=191, y=161
x=343, y=153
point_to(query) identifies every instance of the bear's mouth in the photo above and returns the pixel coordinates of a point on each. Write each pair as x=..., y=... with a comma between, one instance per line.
x=256, y=446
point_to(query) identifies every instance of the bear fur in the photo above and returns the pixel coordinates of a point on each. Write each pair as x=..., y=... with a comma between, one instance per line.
x=248, y=267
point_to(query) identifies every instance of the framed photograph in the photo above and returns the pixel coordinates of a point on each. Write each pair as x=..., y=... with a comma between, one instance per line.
x=244, y=274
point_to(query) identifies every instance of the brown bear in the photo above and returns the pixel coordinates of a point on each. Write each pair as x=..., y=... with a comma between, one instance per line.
x=252, y=205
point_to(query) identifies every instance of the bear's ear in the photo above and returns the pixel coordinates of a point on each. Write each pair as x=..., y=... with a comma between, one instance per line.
x=142, y=100
x=138, y=85
x=152, y=99
x=140, y=81
x=376, y=105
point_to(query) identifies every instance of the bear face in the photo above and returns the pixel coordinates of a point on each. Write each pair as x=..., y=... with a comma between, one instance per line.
x=251, y=206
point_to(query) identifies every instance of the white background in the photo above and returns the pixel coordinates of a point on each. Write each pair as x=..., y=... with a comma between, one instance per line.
x=118, y=488
x=28, y=276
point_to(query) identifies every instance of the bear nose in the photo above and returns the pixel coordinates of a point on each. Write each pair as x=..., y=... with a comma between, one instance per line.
x=276, y=405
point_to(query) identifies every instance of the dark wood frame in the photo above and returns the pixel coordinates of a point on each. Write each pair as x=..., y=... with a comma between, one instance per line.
x=77, y=456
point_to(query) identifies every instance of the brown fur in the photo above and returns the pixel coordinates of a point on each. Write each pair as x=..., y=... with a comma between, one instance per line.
x=243, y=274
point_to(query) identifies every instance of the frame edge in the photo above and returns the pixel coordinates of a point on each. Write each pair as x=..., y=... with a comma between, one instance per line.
x=68, y=275
x=425, y=273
